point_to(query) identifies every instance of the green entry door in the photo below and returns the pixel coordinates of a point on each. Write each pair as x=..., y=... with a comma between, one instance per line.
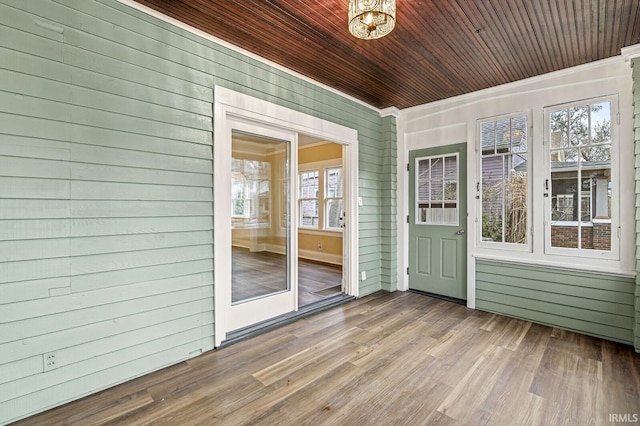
x=438, y=220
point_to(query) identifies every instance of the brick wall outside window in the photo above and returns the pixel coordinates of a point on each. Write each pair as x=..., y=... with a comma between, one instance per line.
x=596, y=237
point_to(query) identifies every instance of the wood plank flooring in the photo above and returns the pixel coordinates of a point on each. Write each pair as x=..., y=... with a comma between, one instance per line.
x=260, y=273
x=384, y=359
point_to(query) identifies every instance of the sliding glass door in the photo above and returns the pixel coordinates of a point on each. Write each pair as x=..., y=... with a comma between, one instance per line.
x=263, y=280
x=256, y=212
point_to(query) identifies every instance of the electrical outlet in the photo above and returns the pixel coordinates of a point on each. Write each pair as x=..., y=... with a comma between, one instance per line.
x=363, y=275
x=50, y=361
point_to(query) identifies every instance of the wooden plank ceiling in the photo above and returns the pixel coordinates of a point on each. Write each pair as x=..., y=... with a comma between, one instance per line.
x=439, y=48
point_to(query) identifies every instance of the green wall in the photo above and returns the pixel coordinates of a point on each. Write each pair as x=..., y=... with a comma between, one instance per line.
x=106, y=209
x=387, y=204
x=636, y=125
x=595, y=304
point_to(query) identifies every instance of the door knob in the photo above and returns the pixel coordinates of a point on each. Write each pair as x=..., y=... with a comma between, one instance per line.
x=460, y=232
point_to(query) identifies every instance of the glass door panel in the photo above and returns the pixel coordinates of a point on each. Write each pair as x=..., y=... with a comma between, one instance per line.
x=259, y=217
x=260, y=279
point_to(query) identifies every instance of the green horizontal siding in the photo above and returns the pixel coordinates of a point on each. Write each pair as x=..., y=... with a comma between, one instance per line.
x=106, y=231
x=636, y=112
x=388, y=205
x=589, y=303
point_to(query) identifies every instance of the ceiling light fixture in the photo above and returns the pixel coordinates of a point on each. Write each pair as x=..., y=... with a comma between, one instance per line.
x=370, y=19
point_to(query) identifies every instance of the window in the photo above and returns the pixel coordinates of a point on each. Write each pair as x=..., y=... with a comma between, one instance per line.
x=569, y=193
x=579, y=170
x=309, y=186
x=320, y=200
x=333, y=198
x=250, y=186
x=563, y=202
x=437, y=190
x=503, y=180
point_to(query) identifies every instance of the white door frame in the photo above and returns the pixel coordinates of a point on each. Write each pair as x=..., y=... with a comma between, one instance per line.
x=410, y=140
x=234, y=106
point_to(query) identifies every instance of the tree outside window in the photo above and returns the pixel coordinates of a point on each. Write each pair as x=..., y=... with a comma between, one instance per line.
x=503, y=183
x=580, y=176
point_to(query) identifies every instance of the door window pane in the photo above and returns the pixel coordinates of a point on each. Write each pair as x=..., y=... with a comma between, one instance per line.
x=437, y=190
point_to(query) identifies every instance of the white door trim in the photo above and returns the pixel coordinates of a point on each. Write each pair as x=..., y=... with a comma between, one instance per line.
x=240, y=107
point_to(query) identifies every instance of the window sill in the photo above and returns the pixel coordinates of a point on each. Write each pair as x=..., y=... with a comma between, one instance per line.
x=601, y=221
x=571, y=223
x=499, y=246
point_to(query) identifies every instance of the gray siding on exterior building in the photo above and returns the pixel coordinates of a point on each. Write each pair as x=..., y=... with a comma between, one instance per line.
x=106, y=235
x=595, y=304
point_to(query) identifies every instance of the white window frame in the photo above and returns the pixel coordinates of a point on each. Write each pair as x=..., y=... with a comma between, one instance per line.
x=499, y=245
x=322, y=166
x=614, y=254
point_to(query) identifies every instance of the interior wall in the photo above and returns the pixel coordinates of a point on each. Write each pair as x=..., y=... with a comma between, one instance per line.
x=106, y=187
x=318, y=244
x=573, y=305
x=323, y=152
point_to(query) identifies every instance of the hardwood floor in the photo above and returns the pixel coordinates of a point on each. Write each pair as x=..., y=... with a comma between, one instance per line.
x=317, y=281
x=399, y=358
x=256, y=274
x=260, y=273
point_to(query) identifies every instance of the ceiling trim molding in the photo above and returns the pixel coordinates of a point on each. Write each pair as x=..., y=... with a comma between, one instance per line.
x=390, y=111
x=152, y=12
x=508, y=86
x=630, y=52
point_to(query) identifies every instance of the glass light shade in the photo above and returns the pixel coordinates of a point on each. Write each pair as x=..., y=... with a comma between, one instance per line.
x=370, y=19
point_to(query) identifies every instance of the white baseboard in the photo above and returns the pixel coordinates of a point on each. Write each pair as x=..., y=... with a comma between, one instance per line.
x=334, y=259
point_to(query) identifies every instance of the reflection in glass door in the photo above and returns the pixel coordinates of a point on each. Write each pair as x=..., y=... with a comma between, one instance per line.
x=256, y=270
x=256, y=209
x=259, y=217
